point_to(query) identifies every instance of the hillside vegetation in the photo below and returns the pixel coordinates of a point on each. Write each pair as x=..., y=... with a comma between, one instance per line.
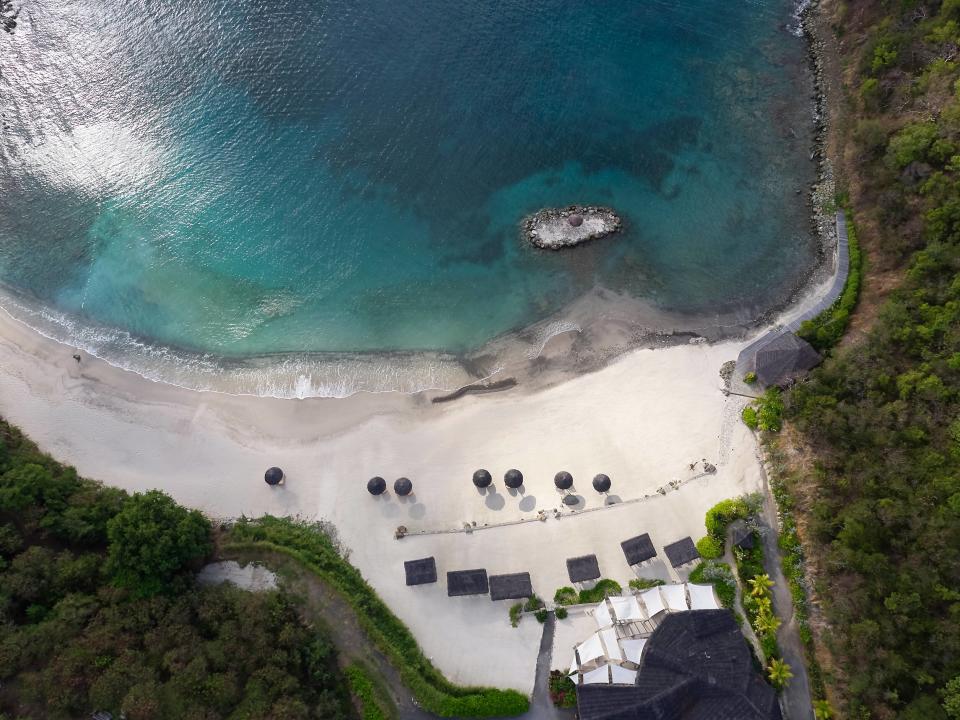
x=882, y=416
x=99, y=611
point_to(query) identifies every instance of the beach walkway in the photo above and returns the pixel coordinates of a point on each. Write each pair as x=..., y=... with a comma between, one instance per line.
x=842, y=260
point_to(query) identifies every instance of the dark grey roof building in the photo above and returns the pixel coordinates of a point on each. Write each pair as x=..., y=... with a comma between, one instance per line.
x=467, y=582
x=784, y=359
x=638, y=549
x=681, y=552
x=583, y=568
x=741, y=534
x=420, y=572
x=515, y=586
x=695, y=666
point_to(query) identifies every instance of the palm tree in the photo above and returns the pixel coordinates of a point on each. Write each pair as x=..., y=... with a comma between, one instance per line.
x=779, y=672
x=760, y=585
x=822, y=710
x=766, y=622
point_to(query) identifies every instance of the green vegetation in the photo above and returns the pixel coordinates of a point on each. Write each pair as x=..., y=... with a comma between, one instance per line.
x=317, y=552
x=560, y=613
x=709, y=547
x=779, y=673
x=719, y=517
x=750, y=378
x=825, y=330
x=881, y=501
x=718, y=574
x=767, y=412
x=566, y=596
x=373, y=706
x=152, y=539
x=599, y=591
x=516, y=612
x=532, y=603
x=563, y=692
x=646, y=583
x=151, y=644
x=541, y=616
x=749, y=416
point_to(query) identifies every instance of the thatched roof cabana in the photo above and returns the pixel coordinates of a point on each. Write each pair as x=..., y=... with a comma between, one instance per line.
x=402, y=486
x=482, y=479
x=742, y=535
x=376, y=485
x=420, y=572
x=583, y=568
x=516, y=586
x=273, y=476
x=513, y=478
x=563, y=480
x=681, y=552
x=601, y=483
x=784, y=359
x=467, y=582
x=638, y=549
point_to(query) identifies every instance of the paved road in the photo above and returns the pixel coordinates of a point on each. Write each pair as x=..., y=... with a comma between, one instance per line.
x=541, y=707
x=795, y=700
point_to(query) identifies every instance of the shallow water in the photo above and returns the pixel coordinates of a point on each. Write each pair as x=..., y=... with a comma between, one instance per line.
x=340, y=176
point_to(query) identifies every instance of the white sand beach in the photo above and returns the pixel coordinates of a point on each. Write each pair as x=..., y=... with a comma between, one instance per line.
x=643, y=419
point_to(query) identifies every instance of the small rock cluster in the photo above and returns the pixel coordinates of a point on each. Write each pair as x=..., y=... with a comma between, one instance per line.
x=8, y=16
x=558, y=228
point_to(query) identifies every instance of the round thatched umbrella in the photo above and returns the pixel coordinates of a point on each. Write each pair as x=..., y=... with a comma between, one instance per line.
x=403, y=486
x=482, y=479
x=601, y=483
x=376, y=485
x=575, y=220
x=513, y=479
x=273, y=476
x=563, y=480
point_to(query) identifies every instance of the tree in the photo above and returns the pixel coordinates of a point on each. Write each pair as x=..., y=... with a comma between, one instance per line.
x=951, y=698
x=760, y=585
x=822, y=710
x=779, y=672
x=152, y=539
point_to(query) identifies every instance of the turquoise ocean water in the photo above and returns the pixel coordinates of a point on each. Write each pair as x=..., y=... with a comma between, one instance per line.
x=235, y=181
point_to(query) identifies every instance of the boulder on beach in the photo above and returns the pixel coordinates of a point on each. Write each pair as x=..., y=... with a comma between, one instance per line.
x=558, y=228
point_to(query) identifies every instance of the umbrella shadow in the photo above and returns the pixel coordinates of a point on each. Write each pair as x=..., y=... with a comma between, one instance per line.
x=495, y=501
x=389, y=509
x=612, y=500
x=418, y=510
x=516, y=491
x=574, y=501
x=529, y=503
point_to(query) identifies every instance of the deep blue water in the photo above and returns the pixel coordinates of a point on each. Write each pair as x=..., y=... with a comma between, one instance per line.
x=244, y=178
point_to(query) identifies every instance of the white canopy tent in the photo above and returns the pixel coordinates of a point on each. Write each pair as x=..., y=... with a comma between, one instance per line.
x=676, y=596
x=574, y=666
x=633, y=649
x=620, y=675
x=601, y=613
x=652, y=601
x=610, y=643
x=600, y=676
x=702, y=597
x=627, y=609
x=590, y=649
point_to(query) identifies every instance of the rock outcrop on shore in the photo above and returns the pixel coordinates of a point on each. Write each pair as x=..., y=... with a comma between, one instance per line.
x=558, y=228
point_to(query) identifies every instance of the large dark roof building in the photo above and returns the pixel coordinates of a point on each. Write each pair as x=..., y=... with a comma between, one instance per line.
x=695, y=666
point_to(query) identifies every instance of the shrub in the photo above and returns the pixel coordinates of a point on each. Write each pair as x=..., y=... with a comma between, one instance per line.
x=560, y=613
x=646, y=583
x=726, y=511
x=563, y=693
x=749, y=416
x=913, y=143
x=599, y=591
x=516, y=612
x=770, y=410
x=750, y=378
x=533, y=603
x=363, y=689
x=541, y=616
x=709, y=547
x=565, y=596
